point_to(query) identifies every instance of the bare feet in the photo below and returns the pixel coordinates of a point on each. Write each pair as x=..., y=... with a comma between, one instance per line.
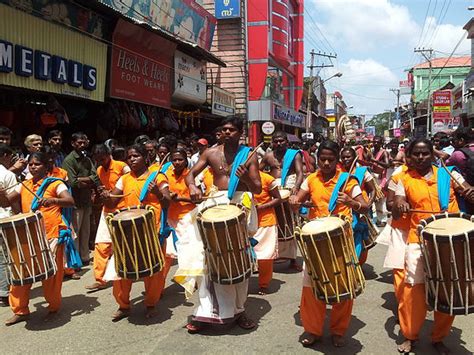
x=262, y=291
x=50, y=316
x=308, y=339
x=150, y=312
x=441, y=348
x=338, y=341
x=120, y=314
x=244, y=322
x=17, y=318
x=96, y=286
x=406, y=346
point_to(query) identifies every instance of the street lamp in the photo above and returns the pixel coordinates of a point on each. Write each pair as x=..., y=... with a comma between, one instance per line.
x=310, y=97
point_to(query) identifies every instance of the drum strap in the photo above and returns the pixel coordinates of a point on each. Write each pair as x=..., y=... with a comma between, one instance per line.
x=360, y=173
x=288, y=158
x=240, y=158
x=444, y=187
x=333, y=200
x=144, y=192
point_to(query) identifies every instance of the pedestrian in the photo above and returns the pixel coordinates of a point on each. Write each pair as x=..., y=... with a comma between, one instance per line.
x=379, y=163
x=202, y=145
x=55, y=141
x=83, y=179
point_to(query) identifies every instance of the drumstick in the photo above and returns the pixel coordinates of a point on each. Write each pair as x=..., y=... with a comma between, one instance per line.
x=350, y=173
x=184, y=199
x=10, y=187
x=252, y=153
x=29, y=190
x=119, y=196
x=424, y=211
x=458, y=184
x=162, y=161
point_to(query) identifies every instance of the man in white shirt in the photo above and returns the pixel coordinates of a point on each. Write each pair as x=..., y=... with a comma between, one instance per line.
x=7, y=181
x=202, y=145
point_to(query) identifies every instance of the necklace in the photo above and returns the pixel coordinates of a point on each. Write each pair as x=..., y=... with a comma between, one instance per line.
x=225, y=168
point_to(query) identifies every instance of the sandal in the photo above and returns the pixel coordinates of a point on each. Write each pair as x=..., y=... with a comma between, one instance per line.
x=309, y=339
x=245, y=323
x=405, y=347
x=262, y=291
x=193, y=328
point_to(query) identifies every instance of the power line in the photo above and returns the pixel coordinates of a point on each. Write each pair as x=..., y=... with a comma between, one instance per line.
x=330, y=48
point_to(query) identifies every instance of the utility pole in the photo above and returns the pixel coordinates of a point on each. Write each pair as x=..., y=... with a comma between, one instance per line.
x=428, y=55
x=397, y=117
x=310, y=84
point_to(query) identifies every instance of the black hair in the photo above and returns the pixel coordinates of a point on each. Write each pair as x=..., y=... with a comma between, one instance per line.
x=350, y=150
x=465, y=133
x=152, y=142
x=218, y=129
x=100, y=149
x=54, y=133
x=179, y=151
x=440, y=135
x=378, y=138
x=394, y=141
x=119, y=153
x=141, y=139
x=5, y=131
x=419, y=140
x=164, y=145
x=329, y=145
x=235, y=121
x=280, y=134
x=170, y=140
x=78, y=135
x=43, y=157
x=5, y=150
x=140, y=148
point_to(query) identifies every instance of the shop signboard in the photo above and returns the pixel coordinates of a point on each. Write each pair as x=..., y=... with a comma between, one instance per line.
x=287, y=116
x=185, y=19
x=441, y=105
x=268, y=128
x=189, y=79
x=43, y=56
x=140, y=65
x=227, y=9
x=223, y=102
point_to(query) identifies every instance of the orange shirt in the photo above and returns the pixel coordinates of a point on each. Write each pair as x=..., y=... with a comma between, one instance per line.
x=267, y=216
x=404, y=221
x=422, y=194
x=208, y=179
x=53, y=221
x=177, y=185
x=109, y=177
x=58, y=173
x=321, y=191
x=132, y=187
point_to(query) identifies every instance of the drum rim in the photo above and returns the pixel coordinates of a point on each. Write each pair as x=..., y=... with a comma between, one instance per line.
x=231, y=221
x=321, y=235
x=112, y=215
x=32, y=216
x=430, y=236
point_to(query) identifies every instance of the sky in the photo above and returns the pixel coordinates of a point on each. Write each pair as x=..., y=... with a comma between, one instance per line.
x=374, y=42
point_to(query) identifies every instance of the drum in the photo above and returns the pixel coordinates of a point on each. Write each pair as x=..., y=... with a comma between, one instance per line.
x=227, y=248
x=26, y=249
x=328, y=250
x=447, y=244
x=137, y=250
x=373, y=232
x=285, y=217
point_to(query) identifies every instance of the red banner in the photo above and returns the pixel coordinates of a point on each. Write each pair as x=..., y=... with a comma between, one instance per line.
x=141, y=66
x=442, y=104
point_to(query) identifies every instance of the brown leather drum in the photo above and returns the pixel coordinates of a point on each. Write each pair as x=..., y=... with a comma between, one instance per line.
x=285, y=217
x=447, y=244
x=26, y=249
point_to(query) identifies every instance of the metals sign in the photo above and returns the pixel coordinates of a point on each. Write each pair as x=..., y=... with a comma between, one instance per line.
x=227, y=9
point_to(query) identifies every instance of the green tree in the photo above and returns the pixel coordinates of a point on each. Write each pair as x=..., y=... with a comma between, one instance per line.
x=380, y=122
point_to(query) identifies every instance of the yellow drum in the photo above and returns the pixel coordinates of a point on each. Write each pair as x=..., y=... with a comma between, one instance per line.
x=328, y=250
x=226, y=244
x=285, y=217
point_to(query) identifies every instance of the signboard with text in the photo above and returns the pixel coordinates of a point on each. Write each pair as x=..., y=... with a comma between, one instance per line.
x=189, y=79
x=223, y=102
x=227, y=9
x=442, y=104
x=140, y=66
x=288, y=116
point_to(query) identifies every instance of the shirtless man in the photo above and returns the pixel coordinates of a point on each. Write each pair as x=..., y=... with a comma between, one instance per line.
x=230, y=298
x=294, y=178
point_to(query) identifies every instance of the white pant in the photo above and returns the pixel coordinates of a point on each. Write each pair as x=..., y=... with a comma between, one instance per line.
x=81, y=223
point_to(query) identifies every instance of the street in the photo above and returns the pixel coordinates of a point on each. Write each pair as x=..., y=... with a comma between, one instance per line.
x=84, y=324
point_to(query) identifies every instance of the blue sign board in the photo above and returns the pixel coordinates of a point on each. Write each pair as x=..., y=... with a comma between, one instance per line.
x=227, y=9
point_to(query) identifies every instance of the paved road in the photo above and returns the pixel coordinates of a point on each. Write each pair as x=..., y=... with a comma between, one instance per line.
x=84, y=324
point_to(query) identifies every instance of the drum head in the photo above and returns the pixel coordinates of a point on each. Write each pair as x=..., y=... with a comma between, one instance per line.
x=129, y=215
x=285, y=193
x=19, y=217
x=221, y=213
x=449, y=226
x=321, y=225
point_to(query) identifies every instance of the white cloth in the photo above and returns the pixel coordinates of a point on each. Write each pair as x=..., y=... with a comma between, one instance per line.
x=267, y=247
x=414, y=270
x=103, y=233
x=290, y=181
x=397, y=244
x=287, y=249
x=7, y=179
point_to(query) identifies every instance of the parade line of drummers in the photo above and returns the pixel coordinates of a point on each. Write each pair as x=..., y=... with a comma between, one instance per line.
x=227, y=210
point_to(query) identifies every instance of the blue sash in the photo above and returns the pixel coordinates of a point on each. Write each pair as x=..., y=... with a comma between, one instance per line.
x=359, y=227
x=287, y=162
x=444, y=185
x=165, y=167
x=359, y=174
x=333, y=200
x=240, y=158
x=73, y=258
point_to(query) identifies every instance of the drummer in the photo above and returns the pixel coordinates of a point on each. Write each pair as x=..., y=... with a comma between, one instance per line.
x=108, y=171
x=367, y=183
x=286, y=165
x=323, y=189
x=267, y=234
x=132, y=185
x=55, y=198
x=220, y=304
x=418, y=189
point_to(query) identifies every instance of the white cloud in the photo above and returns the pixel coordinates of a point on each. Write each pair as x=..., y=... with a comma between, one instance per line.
x=365, y=24
x=444, y=37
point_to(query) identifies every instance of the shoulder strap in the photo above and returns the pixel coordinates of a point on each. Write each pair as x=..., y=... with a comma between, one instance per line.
x=240, y=158
x=288, y=159
x=360, y=173
x=444, y=187
x=144, y=192
x=468, y=153
x=333, y=200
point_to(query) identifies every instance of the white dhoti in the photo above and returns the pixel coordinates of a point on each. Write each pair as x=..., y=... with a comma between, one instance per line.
x=103, y=234
x=217, y=303
x=287, y=249
x=267, y=247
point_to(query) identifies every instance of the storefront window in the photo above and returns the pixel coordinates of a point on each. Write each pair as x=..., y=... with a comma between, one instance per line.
x=273, y=87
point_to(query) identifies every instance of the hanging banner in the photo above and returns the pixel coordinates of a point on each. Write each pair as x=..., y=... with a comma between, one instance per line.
x=189, y=79
x=442, y=104
x=141, y=66
x=186, y=19
x=227, y=9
